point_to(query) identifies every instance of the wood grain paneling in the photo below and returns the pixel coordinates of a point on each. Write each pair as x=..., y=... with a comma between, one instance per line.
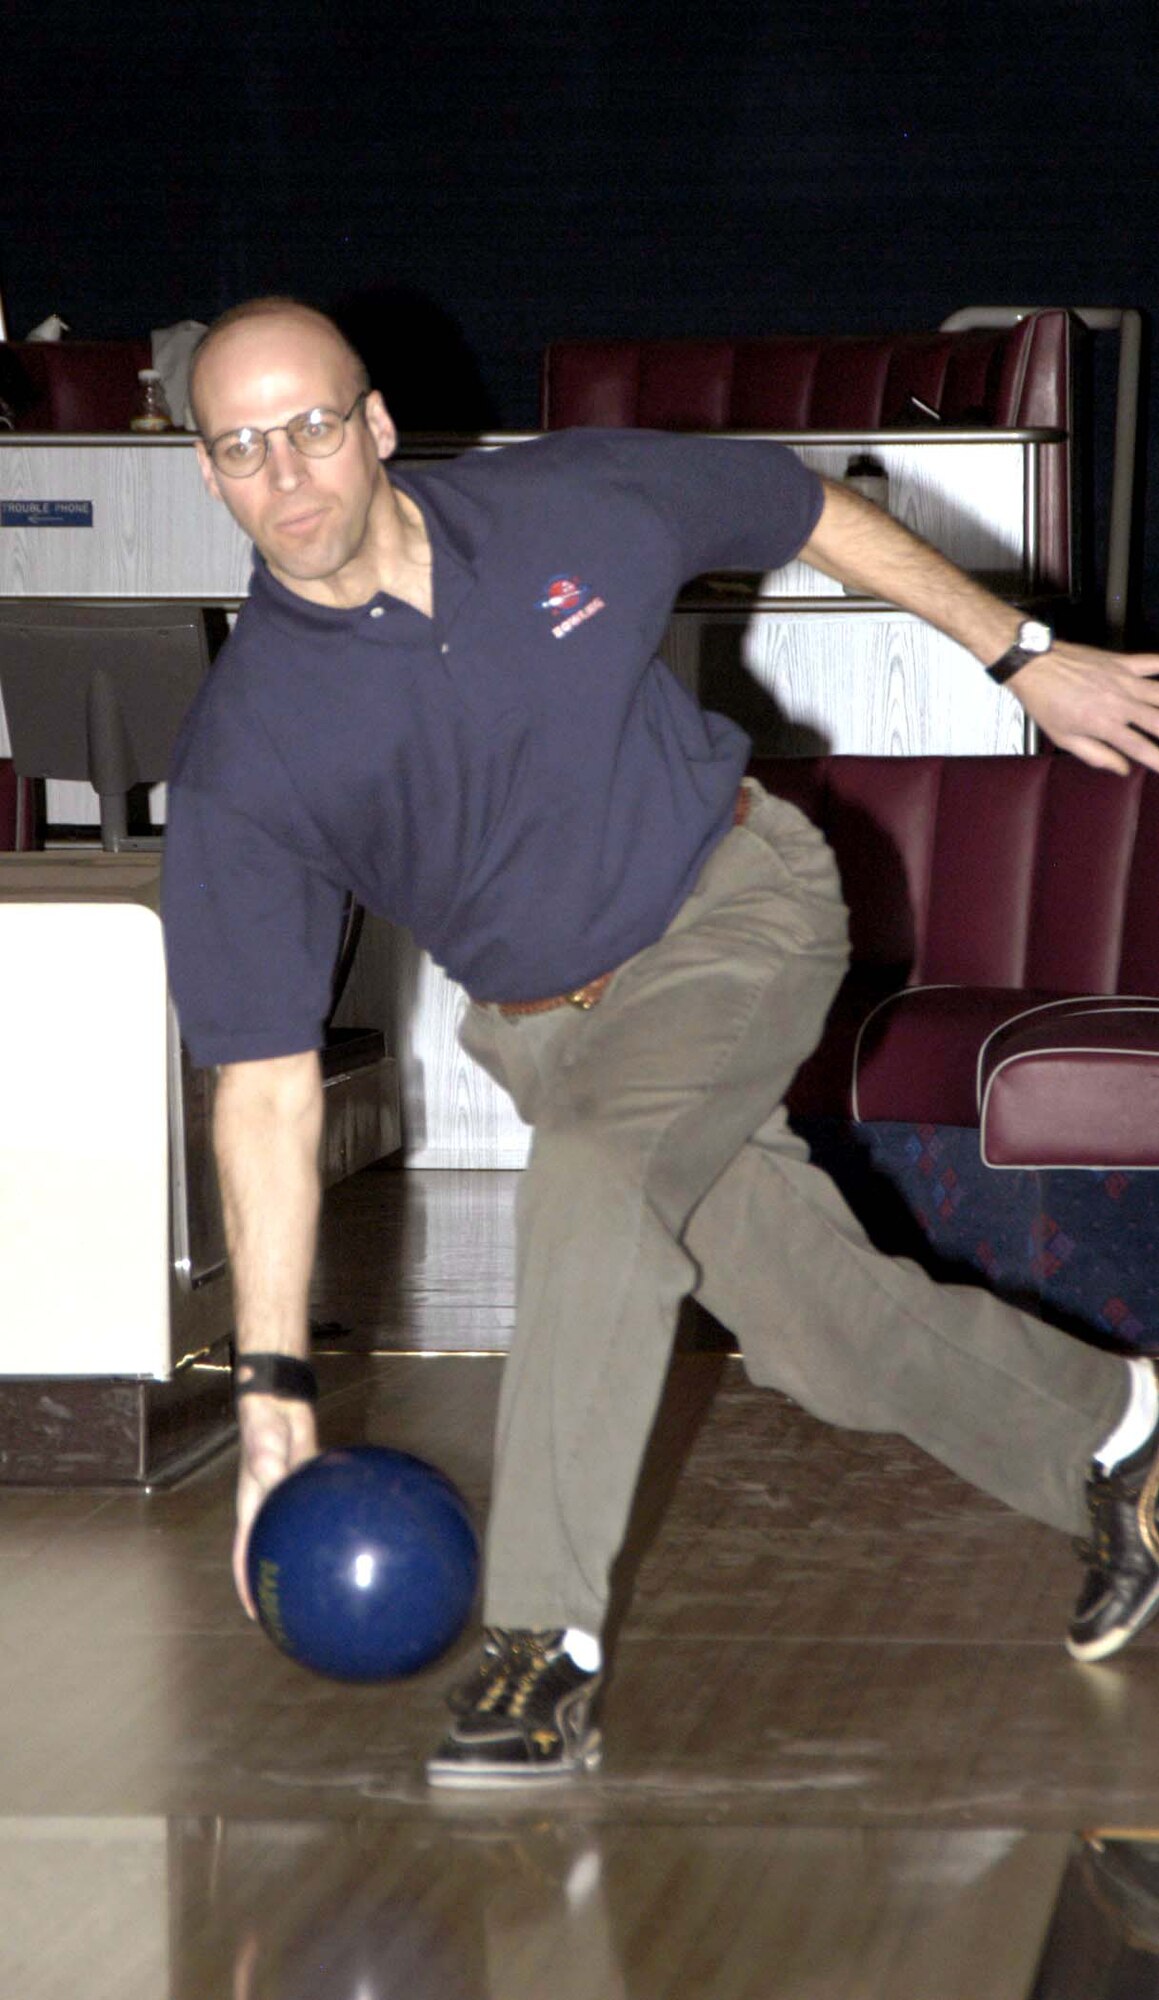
x=452, y=1113
x=872, y=681
x=155, y=531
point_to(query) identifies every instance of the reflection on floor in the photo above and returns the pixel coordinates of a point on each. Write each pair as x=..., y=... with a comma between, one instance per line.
x=1104, y=1939
x=846, y=1753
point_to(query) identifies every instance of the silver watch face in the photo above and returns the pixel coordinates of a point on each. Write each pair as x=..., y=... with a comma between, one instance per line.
x=1034, y=636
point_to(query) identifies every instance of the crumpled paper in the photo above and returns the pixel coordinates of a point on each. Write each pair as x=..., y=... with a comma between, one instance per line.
x=49, y=329
x=172, y=352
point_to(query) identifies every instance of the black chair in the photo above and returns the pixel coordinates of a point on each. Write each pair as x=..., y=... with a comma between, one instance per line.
x=98, y=692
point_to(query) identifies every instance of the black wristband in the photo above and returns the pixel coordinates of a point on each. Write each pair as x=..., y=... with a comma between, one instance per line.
x=1010, y=664
x=274, y=1375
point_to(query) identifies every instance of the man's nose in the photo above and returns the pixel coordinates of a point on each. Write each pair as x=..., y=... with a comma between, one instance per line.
x=285, y=466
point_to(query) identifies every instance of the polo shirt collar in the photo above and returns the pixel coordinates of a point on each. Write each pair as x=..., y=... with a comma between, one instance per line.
x=458, y=525
x=457, y=533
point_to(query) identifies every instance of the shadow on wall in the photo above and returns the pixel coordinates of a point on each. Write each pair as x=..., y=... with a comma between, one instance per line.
x=418, y=356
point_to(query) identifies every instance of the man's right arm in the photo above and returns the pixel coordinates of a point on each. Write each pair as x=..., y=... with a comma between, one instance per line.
x=267, y=1130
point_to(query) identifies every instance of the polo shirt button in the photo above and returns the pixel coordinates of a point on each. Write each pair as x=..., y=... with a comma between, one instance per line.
x=377, y=611
x=444, y=648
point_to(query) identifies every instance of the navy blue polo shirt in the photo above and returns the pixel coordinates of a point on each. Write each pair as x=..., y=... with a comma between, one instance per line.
x=518, y=779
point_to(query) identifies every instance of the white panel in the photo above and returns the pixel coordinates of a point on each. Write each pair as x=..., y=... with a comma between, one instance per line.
x=968, y=500
x=156, y=532
x=71, y=802
x=873, y=682
x=84, y=1220
x=453, y=1115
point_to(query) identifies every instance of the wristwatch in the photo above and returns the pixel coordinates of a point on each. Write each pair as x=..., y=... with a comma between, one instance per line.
x=1033, y=638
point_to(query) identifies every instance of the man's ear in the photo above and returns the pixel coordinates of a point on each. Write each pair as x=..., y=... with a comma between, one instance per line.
x=380, y=424
x=205, y=465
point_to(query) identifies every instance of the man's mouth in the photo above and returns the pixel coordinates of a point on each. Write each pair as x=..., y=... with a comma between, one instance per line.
x=301, y=523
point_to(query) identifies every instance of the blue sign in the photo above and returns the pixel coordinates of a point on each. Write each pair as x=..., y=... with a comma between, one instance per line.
x=46, y=513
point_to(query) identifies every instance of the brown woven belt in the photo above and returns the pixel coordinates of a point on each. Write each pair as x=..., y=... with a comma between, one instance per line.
x=586, y=997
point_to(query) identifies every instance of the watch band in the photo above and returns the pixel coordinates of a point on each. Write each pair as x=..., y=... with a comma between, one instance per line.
x=1012, y=659
x=1041, y=639
x=279, y=1375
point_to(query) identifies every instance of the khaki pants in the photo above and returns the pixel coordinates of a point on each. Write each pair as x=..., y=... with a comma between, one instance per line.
x=661, y=1164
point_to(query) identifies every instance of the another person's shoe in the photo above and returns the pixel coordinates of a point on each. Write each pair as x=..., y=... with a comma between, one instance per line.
x=523, y=1717
x=1120, y=1593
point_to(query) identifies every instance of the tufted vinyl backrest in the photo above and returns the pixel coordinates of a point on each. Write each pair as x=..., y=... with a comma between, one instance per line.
x=1030, y=872
x=77, y=385
x=1007, y=378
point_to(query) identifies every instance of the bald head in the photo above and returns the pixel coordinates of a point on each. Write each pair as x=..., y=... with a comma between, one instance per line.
x=259, y=335
x=328, y=525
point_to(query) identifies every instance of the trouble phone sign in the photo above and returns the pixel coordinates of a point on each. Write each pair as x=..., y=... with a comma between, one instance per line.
x=46, y=513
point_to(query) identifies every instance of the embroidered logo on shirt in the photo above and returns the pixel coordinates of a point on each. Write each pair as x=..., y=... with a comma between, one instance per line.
x=567, y=593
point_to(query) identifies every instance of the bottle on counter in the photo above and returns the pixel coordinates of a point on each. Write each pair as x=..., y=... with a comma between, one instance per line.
x=868, y=476
x=152, y=412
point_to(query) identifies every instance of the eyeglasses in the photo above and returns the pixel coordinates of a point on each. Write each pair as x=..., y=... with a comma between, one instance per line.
x=313, y=433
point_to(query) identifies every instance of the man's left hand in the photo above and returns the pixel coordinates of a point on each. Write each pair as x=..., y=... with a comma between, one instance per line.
x=1102, y=707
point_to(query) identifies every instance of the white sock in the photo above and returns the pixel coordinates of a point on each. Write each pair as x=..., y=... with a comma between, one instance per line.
x=1137, y=1421
x=583, y=1650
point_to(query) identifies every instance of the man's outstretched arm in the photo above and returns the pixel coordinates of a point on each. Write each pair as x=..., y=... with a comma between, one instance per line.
x=1101, y=706
x=267, y=1129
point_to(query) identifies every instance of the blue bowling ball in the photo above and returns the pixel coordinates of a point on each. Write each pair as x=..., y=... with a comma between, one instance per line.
x=363, y=1564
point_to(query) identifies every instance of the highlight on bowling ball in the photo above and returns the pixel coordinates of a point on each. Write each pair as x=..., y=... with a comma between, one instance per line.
x=363, y=1564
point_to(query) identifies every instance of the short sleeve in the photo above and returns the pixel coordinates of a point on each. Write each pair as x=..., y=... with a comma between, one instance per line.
x=732, y=503
x=251, y=934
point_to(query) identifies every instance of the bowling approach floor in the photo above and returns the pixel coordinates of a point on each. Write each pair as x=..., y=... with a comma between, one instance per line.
x=846, y=1754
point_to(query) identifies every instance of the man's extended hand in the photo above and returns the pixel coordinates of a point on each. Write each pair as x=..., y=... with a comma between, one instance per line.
x=1102, y=707
x=276, y=1437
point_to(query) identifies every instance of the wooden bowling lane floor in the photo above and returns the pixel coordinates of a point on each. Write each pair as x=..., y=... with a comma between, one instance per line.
x=846, y=1754
x=186, y=1909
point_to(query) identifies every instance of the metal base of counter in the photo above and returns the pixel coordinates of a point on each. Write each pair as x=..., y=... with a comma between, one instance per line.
x=64, y=1431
